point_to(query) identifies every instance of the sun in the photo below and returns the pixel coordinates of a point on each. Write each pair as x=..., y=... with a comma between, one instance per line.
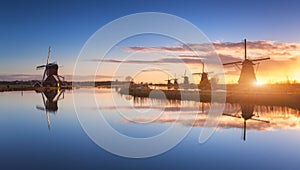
x=259, y=83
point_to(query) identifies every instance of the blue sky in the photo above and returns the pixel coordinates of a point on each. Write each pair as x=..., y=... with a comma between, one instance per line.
x=27, y=28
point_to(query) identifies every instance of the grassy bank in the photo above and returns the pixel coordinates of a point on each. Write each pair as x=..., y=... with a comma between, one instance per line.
x=15, y=87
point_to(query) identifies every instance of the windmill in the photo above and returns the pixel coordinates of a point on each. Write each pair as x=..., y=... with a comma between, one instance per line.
x=186, y=83
x=185, y=79
x=169, y=84
x=50, y=99
x=175, y=83
x=247, y=113
x=204, y=82
x=50, y=76
x=247, y=75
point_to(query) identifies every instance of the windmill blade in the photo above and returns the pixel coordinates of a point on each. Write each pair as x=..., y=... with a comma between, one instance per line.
x=49, y=51
x=261, y=120
x=44, y=101
x=260, y=59
x=245, y=128
x=48, y=120
x=237, y=62
x=202, y=107
x=236, y=116
x=210, y=72
x=40, y=67
x=44, y=76
x=168, y=78
x=40, y=108
x=58, y=96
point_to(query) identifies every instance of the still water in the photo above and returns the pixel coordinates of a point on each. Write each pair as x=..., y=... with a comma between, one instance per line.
x=40, y=131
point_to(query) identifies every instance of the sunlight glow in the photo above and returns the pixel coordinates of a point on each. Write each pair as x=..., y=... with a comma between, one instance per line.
x=259, y=83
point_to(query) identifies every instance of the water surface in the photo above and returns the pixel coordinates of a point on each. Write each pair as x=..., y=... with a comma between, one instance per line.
x=37, y=136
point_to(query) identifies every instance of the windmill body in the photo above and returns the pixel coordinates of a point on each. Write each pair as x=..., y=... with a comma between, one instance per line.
x=247, y=75
x=186, y=80
x=175, y=84
x=169, y=84
x=204, y=83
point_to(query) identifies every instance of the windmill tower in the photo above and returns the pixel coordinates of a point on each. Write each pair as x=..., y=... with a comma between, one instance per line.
x=175, y=84
x=186, y=82
x=204, y=82
x=50, y=76
x=169, y=84
x=185, y=79
x=247, y=75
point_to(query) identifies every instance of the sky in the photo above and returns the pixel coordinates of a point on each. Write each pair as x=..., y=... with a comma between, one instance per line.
x=28, y=28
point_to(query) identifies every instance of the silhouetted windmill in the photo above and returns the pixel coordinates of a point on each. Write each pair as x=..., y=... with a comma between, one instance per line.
x=186, y=82
x=247, y=113
x=204, y=82
x=169, y=84
x=185, y=78
x=51, y=71
x=175, y=84
x=247, y=76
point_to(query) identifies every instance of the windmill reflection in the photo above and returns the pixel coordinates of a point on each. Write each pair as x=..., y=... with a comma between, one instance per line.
x=247, y=114
x=50, y=99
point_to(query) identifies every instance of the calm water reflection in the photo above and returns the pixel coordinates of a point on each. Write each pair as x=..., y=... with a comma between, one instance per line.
x=50, y=99
x=272, y=140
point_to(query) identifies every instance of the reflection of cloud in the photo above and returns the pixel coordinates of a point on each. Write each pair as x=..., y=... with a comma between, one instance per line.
x=278, y=120
x=166, y=108
x=92, y=77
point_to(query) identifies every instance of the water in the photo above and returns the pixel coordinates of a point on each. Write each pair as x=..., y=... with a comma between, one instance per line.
x=29, y=140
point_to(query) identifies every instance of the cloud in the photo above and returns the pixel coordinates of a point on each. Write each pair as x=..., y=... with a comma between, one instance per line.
x=227, y=51
x=285, y=56
x=156, y=49
x=161, y=61
x=68, y=77
x=263, y=48
x=126, y=61
x=153, y=70
x=12, y=77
